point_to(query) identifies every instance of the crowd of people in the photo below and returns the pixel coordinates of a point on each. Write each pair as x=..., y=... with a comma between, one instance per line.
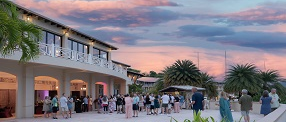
x=132, y=105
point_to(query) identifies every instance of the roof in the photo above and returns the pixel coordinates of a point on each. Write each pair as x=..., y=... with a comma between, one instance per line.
x=136, y=73
x=180, y=88
x=148, y=79
x=121, y=63
x=53, y=22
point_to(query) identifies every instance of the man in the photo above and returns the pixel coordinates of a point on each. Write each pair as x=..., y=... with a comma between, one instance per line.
x=197, y=101
x=165, y=101
x=152, y=98
x=135, y=105
x=64, y=105
x=182, y=100
x=85, y=104
x=246, y=105
x=275, y=99
x=55, y=107
x=172, y=101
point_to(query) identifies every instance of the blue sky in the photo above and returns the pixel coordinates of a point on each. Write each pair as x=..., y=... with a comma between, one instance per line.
x=152, y=34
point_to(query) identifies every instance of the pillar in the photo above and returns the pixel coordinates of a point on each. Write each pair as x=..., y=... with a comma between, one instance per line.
x=25, y=93
x=111, y=86
x=67, y=84
x=92, y=87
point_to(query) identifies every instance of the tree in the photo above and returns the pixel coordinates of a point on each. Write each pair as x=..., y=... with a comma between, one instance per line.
x=135, y=88
x=206, y=81
x=152, y=74
x=243, y=77
x=182, y=72
x=271, y=79
x=16, y=34
x=159, y=85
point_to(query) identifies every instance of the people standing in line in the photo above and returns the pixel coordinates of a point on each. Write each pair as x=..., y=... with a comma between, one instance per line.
x=141, y=103
x=128, y=106
x=55, y=107
x=246, y=105
x=152, y=108
x=148, y=104
x=119, y=103
x=70, y=107
x=85, y=104
x=177, y=104
x=156, y=104
x=135, y=105
x=105, y=104
x=275, y=99
x=165, y=101
x=99, y=104
x=197, y=101
x=47, y=107
x=265, y=100
x=224, y=108
x=64, y=105
x=182, y=100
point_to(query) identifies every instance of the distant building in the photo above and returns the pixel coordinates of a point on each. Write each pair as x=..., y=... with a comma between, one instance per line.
x=147, y=82
x=134, y=75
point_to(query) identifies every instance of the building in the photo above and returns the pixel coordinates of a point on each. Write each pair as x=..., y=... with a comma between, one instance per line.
x=70, y=62
x=147, y=82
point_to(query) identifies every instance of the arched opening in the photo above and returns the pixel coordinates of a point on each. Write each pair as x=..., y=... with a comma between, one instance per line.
x=8, y=87
x=78, y=88
x=44, y=86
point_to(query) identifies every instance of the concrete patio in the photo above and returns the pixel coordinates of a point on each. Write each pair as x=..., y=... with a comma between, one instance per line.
x=95, y=117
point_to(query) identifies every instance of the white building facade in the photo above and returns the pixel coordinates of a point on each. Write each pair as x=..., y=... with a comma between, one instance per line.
x=70, y=62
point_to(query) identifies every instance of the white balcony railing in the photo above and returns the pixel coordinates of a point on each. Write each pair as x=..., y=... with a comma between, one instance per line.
x=66, y=53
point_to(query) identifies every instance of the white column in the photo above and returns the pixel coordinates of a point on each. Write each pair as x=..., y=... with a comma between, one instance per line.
x=67, y=84
x=111, y=86
x=92, y=87
x=25, y=93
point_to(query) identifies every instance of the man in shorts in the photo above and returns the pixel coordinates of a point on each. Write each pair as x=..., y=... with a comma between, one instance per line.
x=55, y=105
x=246, y=105
x=64, y=105
x=165, y=101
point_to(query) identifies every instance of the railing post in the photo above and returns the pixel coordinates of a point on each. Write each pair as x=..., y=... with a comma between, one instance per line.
x=53, y=50
x=89, y=59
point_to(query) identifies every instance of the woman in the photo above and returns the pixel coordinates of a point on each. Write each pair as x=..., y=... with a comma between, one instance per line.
x=70, y=101
x=148, y=104
x=111, y=107
x=128, y=106
x=141, y=103
x=47, y=107
x=265, y=100
x=105, y=104
x=156, y=104
x=119, y=103
x=99, y=104
x=224, y=108
x=177, y=104
x=90, y=104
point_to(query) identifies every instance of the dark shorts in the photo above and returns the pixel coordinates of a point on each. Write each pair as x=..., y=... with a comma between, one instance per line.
x=172, y=104
x=135, y=107
x=152, y=107
x=165, y=105
x=55, y=109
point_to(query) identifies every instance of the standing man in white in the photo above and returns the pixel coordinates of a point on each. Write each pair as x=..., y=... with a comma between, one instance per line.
x=165, y=101
x=275, y=99
x=64, y=105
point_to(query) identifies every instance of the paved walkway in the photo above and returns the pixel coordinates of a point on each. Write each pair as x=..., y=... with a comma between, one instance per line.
x=94, y=117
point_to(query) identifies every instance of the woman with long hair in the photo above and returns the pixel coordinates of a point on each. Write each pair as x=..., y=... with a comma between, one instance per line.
x=265, y=100
x=224, y=108
x=47, y=107
x=69, y=103
x=148, y=104
x=128, y=106
x=177, y=104
x=105, y=104
x=141, y=103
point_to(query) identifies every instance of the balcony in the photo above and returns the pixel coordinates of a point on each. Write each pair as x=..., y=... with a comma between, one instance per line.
x=54, y=51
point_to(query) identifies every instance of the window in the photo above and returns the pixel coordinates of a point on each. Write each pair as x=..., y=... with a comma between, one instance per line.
x=100, y=53
x=51, y=38
x=77, y=46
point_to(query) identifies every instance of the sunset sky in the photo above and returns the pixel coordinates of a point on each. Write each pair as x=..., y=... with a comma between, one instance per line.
x=152, y=34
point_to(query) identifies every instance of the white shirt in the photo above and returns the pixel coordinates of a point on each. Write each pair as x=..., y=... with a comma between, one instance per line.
x=152, y=100
x=275, y=98
x=63, y=101
x=172, y=99
x=165, y=99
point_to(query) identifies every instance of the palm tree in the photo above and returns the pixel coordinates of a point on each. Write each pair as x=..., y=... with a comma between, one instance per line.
x=206, y=81
x=182, y=72
x=271, y=79
x=243, y=77
x=16, y=34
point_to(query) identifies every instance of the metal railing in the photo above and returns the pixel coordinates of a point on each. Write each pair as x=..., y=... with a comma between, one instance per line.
x=66, y=53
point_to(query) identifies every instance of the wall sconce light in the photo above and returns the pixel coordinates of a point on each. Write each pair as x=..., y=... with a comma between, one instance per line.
x=57, y=87
x=28, y=18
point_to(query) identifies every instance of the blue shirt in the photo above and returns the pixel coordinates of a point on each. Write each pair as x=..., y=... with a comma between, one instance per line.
x=182, y=99
x=85, y=100
x=55, y=102
x=135, y=100
x=198, y=98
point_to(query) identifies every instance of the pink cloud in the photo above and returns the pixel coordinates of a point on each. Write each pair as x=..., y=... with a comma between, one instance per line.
x=212, y=61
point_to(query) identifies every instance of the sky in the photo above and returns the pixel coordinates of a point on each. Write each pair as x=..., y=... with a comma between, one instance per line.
x=153, y=34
